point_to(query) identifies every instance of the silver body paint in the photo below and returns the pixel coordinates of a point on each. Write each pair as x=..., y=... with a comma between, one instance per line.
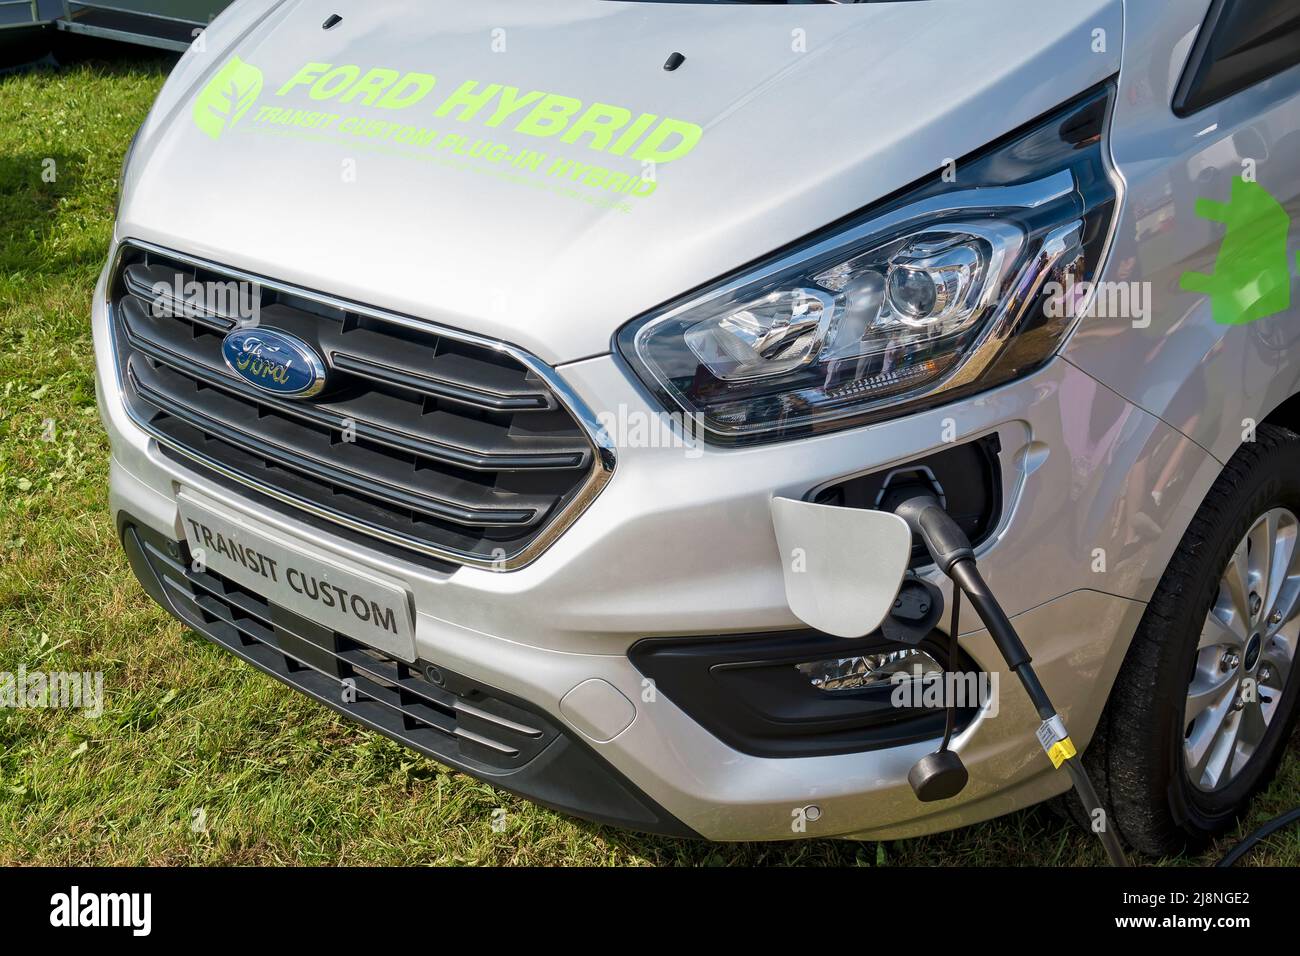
x=1125, y=422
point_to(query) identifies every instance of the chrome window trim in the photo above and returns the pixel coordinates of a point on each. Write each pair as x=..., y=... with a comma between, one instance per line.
x=603, y=459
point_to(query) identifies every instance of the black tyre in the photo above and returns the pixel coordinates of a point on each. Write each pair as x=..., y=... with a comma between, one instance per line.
x=1205, y=701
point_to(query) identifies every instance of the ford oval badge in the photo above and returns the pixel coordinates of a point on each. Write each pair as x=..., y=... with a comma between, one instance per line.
x=274, y=361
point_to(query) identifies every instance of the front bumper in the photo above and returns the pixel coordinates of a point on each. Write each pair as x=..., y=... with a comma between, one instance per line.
x=442, y=715
x=680, y=543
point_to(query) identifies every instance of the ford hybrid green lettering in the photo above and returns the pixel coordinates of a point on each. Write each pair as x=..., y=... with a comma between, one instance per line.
x=599, y=126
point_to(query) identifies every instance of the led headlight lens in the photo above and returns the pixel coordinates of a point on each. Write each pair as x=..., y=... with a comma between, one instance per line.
x=933, y=295
x=774, y=334
x=933, y=278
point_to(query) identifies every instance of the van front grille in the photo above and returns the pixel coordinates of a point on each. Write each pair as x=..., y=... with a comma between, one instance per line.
x=424, y=438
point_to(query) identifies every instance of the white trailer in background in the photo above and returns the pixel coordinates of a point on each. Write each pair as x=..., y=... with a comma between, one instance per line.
x=164, y=24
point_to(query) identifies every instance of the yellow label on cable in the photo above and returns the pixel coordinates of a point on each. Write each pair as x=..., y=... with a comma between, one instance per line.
x=1060, y=752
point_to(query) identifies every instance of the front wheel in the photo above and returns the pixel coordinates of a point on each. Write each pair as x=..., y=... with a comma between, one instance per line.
x=1205, y=701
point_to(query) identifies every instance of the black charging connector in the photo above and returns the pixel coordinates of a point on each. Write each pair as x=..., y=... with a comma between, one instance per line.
x=925, y=515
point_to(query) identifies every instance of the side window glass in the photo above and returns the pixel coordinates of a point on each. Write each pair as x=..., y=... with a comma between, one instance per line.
x=1241, y=43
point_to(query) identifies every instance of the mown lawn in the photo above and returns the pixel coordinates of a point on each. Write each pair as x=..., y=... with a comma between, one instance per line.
x=197, y=758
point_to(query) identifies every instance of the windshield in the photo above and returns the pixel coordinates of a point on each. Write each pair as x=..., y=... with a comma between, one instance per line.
x=772, y=2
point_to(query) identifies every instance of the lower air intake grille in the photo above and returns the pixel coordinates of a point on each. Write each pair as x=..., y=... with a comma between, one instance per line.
x=455, y=720
x=424, y=438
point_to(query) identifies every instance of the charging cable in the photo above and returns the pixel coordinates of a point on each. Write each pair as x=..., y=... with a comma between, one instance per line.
x=952, y=552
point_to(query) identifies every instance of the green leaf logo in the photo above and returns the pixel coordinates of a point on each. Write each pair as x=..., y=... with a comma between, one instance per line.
x=227, y=97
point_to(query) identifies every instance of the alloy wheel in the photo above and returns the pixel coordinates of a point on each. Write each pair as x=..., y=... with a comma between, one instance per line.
x=1244, y=653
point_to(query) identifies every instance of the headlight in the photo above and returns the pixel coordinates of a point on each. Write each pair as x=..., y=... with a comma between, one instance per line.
x=927, y=297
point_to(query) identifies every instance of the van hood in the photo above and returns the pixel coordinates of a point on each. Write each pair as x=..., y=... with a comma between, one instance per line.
x=537, y=173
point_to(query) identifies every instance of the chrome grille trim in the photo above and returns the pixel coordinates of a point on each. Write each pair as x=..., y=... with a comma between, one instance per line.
x=602, y=457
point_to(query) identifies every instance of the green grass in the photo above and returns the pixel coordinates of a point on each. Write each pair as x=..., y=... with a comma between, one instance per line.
x=188, y=732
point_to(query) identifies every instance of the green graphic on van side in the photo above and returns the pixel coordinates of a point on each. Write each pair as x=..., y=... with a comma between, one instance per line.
x=1252, y=273
x=227, y=97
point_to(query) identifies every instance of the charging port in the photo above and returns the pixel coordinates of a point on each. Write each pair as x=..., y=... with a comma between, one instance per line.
x=966, y=479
